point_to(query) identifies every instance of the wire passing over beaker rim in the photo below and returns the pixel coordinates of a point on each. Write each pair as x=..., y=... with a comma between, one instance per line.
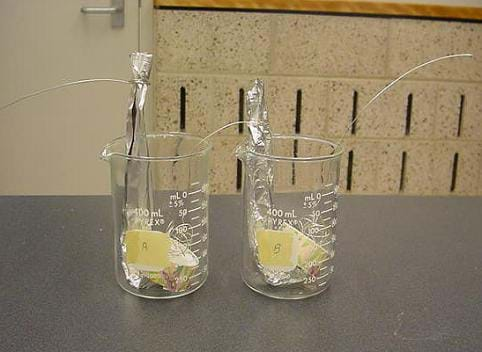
x=201, y=147
x=336, y=149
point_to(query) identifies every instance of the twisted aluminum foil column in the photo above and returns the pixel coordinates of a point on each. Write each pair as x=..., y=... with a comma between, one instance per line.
x=259, y=176
x=138, y=192
x=135, y=129
x=260, y=182
x=260, y=170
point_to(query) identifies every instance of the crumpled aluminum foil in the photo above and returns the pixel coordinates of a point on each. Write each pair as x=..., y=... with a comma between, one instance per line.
x=138, y=192
x=137, y=175
x=181, y=262
x=259, y=189
x=260, y=170
x=260, y=175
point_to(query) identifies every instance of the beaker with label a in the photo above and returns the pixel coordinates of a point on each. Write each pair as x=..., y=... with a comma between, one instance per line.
x=288, y=240
x=161, y=232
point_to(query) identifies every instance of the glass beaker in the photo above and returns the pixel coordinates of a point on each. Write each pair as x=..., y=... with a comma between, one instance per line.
x=288, y=251
x=161, y=239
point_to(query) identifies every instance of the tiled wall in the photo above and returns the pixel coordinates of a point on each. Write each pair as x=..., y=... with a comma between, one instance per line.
x=424, y=137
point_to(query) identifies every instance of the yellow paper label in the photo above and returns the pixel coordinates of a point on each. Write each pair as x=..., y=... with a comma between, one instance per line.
x=147, y=250
x=275, y=248
x=309, y=253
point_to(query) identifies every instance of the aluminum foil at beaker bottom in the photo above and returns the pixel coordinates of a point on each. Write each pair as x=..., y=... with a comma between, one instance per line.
x=161, y=216
x=288, y=251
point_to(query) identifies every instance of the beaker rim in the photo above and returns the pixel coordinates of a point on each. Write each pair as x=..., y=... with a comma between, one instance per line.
x=336, y=152
x=204, y=147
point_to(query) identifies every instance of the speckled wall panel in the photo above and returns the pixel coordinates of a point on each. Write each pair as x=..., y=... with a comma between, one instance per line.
x=454, y=100
x=328, y=46
x=455, y=167
x=227, y=103
x=411, y=42
x=223, y=42
x=181, y=98
x=286, y=93
x=391, y=177
x=364, y=178
x=383, y=119
x=224, y=165
x=424, y=137
x=419, y=168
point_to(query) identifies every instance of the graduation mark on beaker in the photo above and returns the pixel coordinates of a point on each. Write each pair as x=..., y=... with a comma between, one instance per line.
x=312, y=200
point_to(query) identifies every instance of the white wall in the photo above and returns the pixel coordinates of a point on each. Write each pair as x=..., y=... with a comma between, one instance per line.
x=50, y=144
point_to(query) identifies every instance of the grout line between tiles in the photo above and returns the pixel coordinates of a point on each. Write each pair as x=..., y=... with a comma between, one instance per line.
x=313, y=77
x=401, y=139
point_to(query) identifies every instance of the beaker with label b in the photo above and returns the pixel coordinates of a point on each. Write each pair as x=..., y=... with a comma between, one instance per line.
x=289, y=232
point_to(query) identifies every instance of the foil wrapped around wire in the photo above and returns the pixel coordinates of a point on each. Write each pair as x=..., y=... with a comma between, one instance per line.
x=260, y=190
x=172, y=264
x=260, y=175
x=260, y=169
x=138, y=192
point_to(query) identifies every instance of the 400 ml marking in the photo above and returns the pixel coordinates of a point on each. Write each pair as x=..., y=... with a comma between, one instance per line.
x=281, y=217
x=147, y=217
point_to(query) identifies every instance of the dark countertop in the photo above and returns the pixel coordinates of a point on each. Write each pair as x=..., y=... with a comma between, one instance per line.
x=408, y=277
